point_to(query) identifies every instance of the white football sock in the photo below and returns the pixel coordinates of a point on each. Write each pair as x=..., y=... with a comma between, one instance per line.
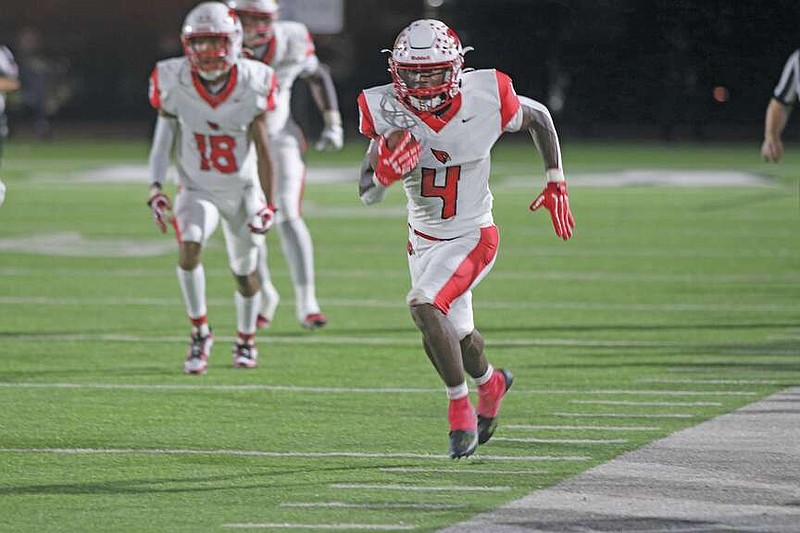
x=246, y=311
x=459, y=391
x=485, y=377
x=193, y=287
x=299, y=252
x=269, y=294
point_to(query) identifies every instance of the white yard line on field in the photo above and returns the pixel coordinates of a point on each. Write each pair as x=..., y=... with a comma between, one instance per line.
x=534, y=440
x=398, y=303
x=460, y=471
x=322, y=527
x=582, y=428
x=623, y=415
x=285, y=455
x=647, y=404
x=700, y=381
x=348, y=505
x=325, y=339
x=418, y=488
x=178, y=387
x=615, y=277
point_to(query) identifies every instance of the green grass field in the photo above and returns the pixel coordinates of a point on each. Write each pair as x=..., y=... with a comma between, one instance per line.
x=671, y=305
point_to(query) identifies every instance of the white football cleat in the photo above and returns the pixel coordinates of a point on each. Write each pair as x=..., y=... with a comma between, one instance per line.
x=245, y=355
x=199, y=351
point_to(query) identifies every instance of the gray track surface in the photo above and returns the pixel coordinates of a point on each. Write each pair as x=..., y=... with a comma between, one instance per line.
x=737, y=472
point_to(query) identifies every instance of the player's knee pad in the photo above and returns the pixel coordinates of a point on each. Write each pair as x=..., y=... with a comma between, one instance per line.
x=463, y=327
x=418, y=297
x=245, y=263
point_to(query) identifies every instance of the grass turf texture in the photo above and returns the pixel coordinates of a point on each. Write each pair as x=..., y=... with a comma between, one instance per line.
x=669, y=301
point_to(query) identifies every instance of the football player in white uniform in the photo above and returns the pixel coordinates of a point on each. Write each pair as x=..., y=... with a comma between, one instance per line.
x=287, y=47
x=212, y=108
x=9, y=81
x=449, y=120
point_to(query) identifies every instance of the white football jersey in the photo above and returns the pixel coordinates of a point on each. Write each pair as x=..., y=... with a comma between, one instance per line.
x=291, y=53
x=8, y=69
x=213, y=148
x=448, y=193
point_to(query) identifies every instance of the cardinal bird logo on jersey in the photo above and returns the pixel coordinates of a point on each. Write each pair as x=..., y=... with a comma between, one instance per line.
x=441, y=155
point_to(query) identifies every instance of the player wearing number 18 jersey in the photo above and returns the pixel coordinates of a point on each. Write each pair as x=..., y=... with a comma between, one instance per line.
x=452, y=119
x=212, y=107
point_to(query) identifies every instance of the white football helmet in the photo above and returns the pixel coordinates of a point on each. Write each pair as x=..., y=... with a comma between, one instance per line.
x=257, y=18
x=426, y=63
x=204, y=23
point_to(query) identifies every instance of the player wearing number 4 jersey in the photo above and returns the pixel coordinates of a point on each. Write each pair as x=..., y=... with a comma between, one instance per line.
x=212, y=107
x=451, y=120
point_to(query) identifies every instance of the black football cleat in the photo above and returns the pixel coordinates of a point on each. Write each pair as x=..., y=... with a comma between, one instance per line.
x=463, y=443
x=486, y=424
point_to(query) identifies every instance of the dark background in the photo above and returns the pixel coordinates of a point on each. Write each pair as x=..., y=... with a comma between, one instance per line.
x=606, y=68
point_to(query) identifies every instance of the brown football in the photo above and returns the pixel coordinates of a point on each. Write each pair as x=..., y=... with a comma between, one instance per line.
x=393, y=138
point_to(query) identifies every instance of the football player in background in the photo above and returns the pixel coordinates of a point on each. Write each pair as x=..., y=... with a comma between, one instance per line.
x=784, y=97
x=9, y=81
x=287, y=46
x=212, y=108
x=433, y=128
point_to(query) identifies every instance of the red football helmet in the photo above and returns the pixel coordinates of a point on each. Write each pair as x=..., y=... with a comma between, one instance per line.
x=426, y=63
x=212, y=39
x=257, y=17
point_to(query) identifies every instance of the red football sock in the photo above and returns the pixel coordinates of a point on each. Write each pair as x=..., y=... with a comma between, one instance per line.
x=461, y=415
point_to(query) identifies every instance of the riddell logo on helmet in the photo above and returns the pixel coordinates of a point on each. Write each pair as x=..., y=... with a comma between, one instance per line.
x=418, y=58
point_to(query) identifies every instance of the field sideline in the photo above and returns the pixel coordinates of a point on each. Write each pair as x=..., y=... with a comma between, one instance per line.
x=671, y=306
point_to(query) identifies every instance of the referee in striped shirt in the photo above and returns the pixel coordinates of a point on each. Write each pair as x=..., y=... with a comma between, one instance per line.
x=780, y=106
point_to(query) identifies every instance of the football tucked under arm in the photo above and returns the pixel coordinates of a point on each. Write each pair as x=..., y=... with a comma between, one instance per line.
x=394, y=155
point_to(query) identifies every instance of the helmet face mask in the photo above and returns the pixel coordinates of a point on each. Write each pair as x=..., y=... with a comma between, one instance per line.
x=212, y=40
x=257, y=28
x=209, y=53
x=257, y=17
x=426, y=64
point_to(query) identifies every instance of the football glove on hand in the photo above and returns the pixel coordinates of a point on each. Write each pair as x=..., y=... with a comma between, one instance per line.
x=262, y=221
x=555, y=198
x=332, y=136
x=160, y=206
x=394, y=165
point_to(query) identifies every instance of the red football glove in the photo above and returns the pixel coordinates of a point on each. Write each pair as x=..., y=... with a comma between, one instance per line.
x=394, y=165
x=262, y=221
x=555, y=198
x=160, y=206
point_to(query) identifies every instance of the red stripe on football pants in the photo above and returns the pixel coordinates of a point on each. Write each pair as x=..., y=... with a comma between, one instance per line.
x=469, y=270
